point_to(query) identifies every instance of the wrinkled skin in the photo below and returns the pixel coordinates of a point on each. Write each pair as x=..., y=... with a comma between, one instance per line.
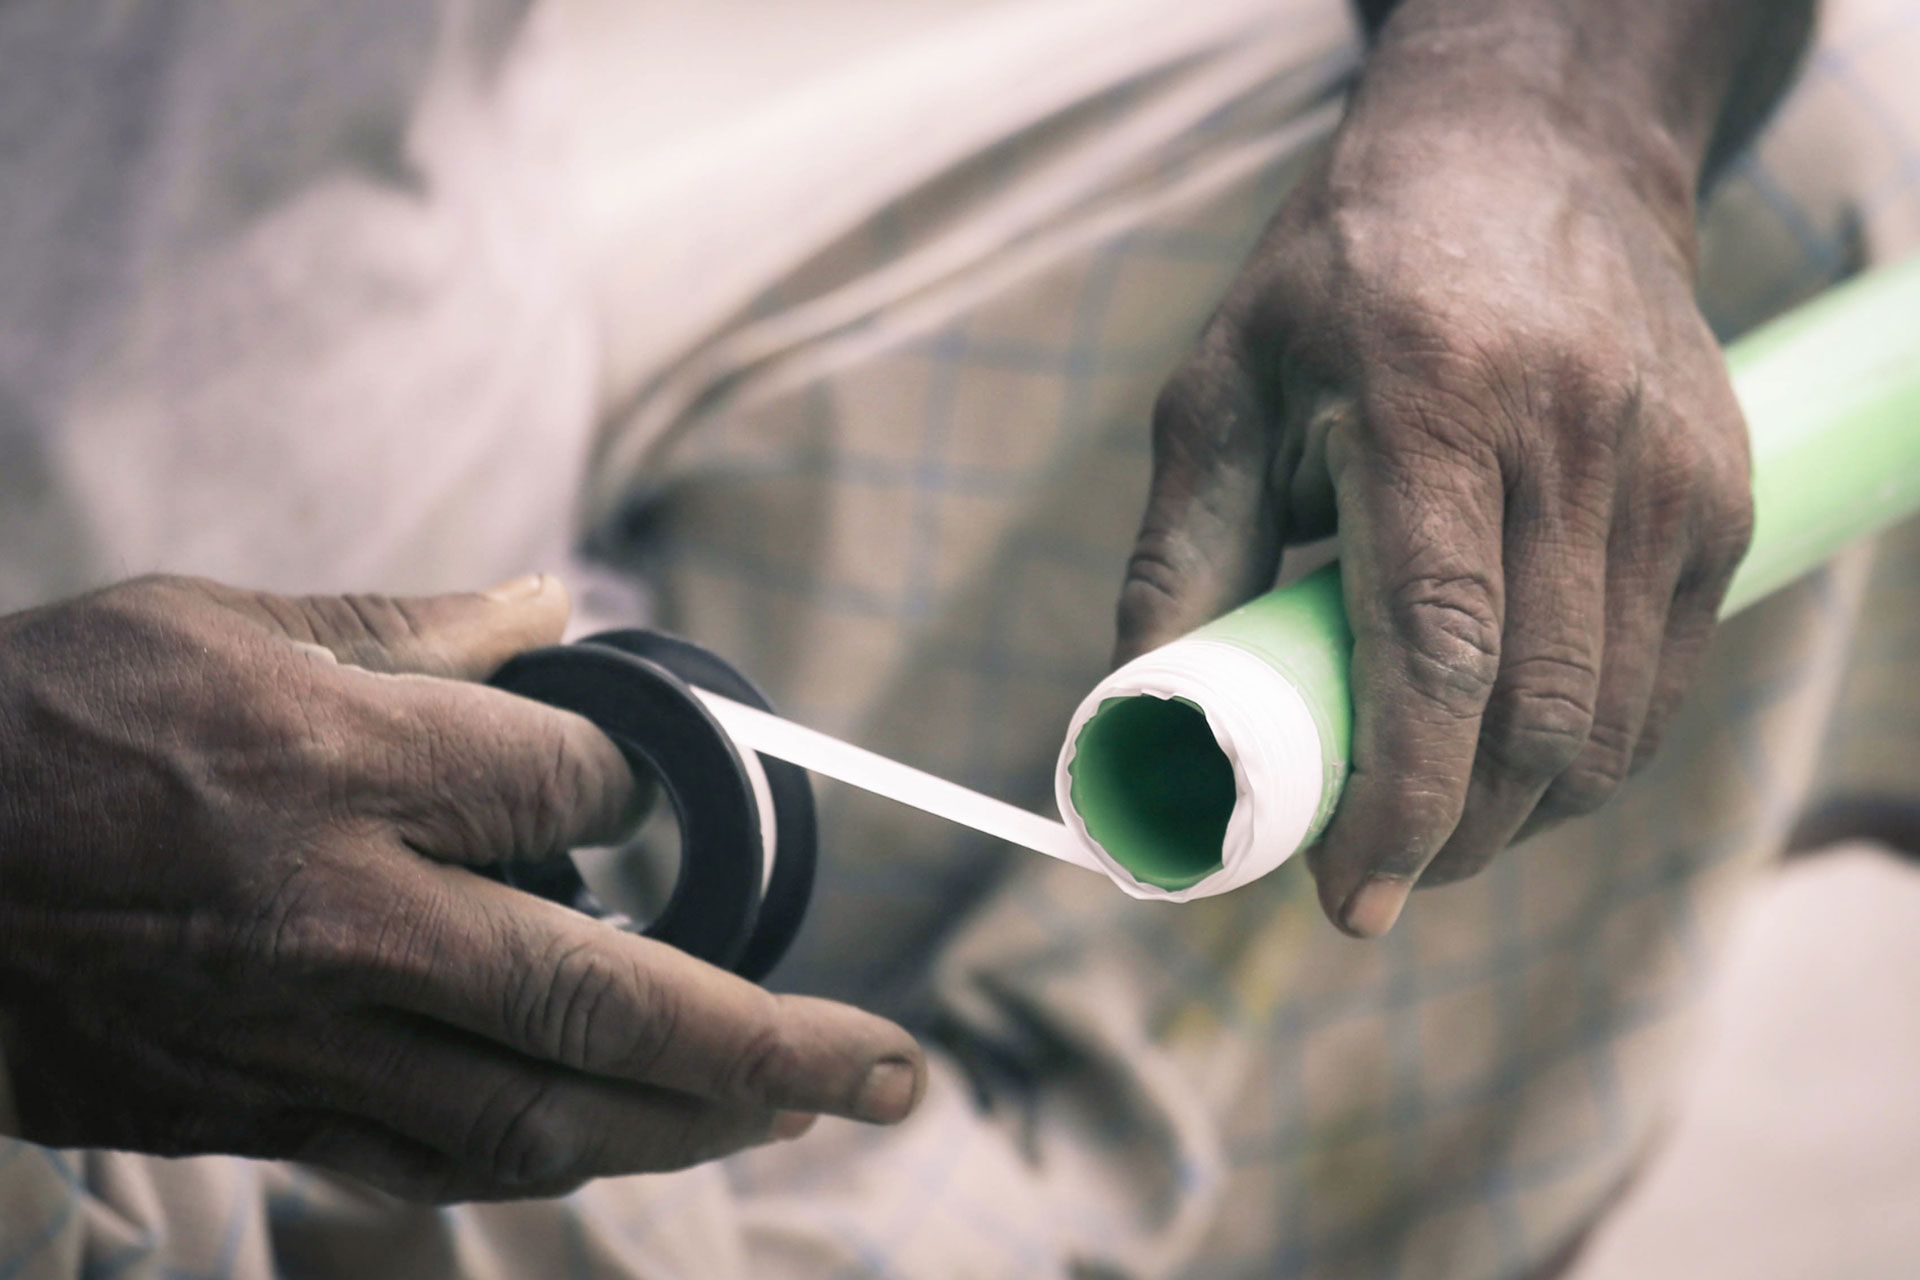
x=237, y=916
x=1469, y=342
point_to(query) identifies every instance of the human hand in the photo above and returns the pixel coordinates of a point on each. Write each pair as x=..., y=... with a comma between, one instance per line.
x=1469, y=342
x=236, y=914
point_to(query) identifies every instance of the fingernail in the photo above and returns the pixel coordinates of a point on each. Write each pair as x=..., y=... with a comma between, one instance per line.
x=789, y=1125
x=514, y=590
x=887, y=1095
x=1374, y=906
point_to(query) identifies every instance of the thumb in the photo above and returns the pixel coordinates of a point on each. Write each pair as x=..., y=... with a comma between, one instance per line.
x=463, y=635
x=1210, y=538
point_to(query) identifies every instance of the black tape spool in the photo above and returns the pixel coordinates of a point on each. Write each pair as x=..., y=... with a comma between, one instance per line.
x=634, y=686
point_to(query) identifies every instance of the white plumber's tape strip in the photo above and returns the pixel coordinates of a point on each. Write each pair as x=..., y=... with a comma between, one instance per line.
x=784, y=740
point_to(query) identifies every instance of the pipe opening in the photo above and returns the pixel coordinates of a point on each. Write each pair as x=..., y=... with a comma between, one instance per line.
x=1154, y=789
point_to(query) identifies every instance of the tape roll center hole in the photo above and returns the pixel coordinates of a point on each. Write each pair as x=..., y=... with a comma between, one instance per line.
x=635, y=878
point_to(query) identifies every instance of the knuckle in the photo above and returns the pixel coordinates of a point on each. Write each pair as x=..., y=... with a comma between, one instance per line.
x=161, y=596
x=1602, y=381
x=408, y=933
x=595, y=1012
x=1581, y=790
x=1728, y=532
x=1153, y=582
x=522, y=1138
x=152, y=588
x=555, y=786
x=142, y=616
x=1433, y=424
x=1596, y=777
x=766, y=1062
x=1676, y=463
x=515, y=792
x=364, y=629
x=1684, y=462
x=550, y=779
x=1541, y=725
x=1542, y=739
x=1452, y=637
x=1705, y=477
x=312, y=923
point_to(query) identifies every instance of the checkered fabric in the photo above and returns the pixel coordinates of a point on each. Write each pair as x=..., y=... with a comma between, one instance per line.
x=898, y=485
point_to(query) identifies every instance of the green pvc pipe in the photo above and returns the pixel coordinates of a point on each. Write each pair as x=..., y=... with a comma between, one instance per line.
x=1832, y=397
x=1831, y=393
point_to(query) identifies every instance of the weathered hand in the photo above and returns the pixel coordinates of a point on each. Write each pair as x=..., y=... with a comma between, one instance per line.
x=234, y=915
x=1469, y=343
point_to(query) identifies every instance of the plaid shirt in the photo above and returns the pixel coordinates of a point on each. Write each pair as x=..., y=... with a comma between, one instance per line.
x=898, y=483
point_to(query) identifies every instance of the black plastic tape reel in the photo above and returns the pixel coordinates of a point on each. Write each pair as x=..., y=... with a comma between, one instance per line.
x=634, y=685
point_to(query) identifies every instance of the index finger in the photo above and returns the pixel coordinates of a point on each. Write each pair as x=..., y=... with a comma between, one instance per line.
x=562, y=987
x=1420, y=516
x=471, y=774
